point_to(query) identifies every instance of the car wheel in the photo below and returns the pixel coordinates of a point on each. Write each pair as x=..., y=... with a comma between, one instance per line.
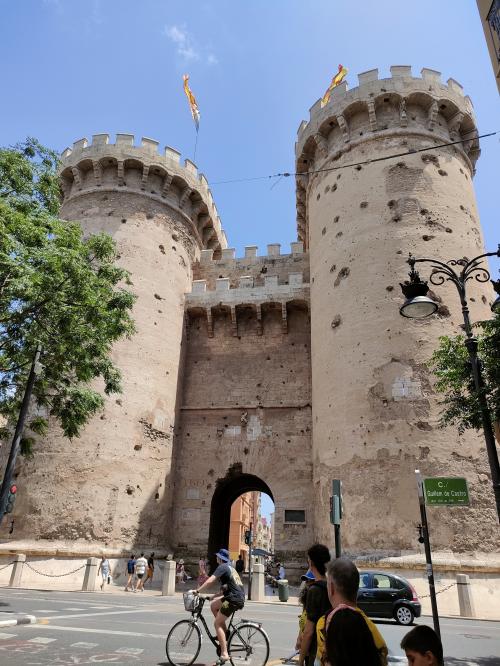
x=404, y=615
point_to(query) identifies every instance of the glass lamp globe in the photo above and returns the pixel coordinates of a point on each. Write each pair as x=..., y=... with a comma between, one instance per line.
x=418, y=307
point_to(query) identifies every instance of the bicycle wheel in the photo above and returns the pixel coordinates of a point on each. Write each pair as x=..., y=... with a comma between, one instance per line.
x=248, y=645
x=183, y=643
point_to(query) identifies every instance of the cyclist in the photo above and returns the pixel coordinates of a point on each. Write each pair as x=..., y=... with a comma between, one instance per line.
x=231, y=599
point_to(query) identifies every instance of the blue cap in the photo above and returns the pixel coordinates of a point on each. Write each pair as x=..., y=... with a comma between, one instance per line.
x=308, y=576
x=223, y=555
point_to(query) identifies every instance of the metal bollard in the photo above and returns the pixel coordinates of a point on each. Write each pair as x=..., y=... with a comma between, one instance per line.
x=168, y=584
x=465, y=601
x=90, y=577
x=283, y=590
x=17, y=570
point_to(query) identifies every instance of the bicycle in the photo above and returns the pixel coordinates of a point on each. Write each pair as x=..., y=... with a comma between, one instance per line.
x=247, y=642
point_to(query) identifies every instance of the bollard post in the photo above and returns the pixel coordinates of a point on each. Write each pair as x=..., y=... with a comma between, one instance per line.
x=258, y=582
x=168, y=584
x=17, y=570
x=90, y=577
x=465, y=601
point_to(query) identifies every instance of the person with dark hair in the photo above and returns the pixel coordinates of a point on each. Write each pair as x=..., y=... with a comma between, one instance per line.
x=349, y=641
x=317, y=603
x=423, y=647
x=342, y=586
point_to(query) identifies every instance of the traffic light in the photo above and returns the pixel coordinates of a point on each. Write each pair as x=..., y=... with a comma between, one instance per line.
x=336, y=503
x=11, y=497
x=248, y=536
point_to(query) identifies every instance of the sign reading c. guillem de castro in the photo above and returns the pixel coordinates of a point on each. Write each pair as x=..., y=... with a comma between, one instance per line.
x=446, y=492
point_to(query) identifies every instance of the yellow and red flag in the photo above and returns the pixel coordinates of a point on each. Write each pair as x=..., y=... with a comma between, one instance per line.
x=338, y=78
x=195, y=112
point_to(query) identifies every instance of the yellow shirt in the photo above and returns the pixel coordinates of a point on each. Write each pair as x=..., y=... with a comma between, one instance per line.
x=377, y=637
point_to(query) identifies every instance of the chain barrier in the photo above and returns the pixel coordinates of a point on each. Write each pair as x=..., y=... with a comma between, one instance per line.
x=6, y=565
x=424, y=596
x=41, y=573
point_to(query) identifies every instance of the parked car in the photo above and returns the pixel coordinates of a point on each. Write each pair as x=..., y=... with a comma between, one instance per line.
x=387, y=595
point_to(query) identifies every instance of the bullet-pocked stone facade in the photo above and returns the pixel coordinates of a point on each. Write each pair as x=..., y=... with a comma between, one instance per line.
x=277, y=372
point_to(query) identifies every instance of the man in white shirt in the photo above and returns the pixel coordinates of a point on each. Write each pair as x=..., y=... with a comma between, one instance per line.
x=141, y=565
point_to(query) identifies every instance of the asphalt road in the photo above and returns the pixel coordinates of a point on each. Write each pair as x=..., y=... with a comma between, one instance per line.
x=123, y=629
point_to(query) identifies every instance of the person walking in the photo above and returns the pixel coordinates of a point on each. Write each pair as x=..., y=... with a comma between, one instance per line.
x=423, y=647
x=347, y=642
x=231, y=599
x=317, y=602
x=104, y=570
x=281, y=572
x=150, y=569
x=140, y=570
x=130, y=573
x=240, y=564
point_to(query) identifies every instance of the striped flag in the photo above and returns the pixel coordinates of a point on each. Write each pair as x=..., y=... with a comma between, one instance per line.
x=192, y=102
x=338, y=78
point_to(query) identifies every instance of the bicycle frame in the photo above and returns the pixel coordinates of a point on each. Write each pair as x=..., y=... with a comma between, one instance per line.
x=198, y=615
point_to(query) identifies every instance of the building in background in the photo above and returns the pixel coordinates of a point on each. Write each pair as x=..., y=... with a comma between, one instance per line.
x=245, y=512
x=490, y=18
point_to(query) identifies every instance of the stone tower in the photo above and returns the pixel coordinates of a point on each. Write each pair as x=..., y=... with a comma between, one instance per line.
x=375, y=414
x=111, y=486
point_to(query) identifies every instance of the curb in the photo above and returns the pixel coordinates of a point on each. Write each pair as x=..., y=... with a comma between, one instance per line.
x=24, y=619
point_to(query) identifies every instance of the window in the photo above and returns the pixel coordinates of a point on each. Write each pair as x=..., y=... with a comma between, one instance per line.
x=381, y=581
x=295, y=516
x=364, y=581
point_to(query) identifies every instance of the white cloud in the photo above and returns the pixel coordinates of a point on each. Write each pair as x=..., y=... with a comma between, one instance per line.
x=186, y=46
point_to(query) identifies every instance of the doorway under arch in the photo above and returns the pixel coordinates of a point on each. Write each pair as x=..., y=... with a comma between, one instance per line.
x=226, y=492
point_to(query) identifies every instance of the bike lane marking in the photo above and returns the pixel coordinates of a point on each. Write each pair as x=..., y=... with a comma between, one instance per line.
x=88, y=630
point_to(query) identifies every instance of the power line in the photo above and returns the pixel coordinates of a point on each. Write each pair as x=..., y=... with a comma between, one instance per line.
x=287, y=174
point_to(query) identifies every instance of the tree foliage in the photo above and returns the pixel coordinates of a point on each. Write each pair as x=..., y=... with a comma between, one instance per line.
x=450, y=363
x=57, y=289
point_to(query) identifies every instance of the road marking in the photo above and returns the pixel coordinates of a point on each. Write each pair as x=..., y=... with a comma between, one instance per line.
x=86, y=630
x=44, y=610
x=127, y=650
x=41, y=639
x=83, y=644
x=122, y=612
x=5, y=636
x=78, y=609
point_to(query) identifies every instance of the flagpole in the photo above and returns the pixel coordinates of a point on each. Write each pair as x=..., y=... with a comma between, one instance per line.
x=195, y=145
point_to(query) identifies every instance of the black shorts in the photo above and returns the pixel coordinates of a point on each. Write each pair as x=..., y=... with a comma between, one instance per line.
x=230, y=607
x=139, y=576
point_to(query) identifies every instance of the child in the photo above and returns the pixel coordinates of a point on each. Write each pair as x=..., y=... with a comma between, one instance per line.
x=423, y=647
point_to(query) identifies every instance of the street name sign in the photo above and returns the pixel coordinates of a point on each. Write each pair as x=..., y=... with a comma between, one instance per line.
x=443, y=491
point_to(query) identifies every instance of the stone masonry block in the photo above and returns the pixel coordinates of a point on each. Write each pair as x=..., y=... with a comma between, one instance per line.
x=125, y=140
x=206, y=256
x=455, y=86
x=80, y=144
x=274, y=249
x=431, y=75
x=100, y=139
x=297, y=247
x=246, y=281
x=271, y=281
x=222, y=284
x=368, y=77
x=400, y=70
x=172, y=154
x=191, y=166
x=251, y=251
x=295, y=279
x=150, y=145
x=199, y=286
x=228, y=253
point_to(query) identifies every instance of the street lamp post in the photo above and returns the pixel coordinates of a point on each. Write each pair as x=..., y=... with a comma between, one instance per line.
x=418, y=306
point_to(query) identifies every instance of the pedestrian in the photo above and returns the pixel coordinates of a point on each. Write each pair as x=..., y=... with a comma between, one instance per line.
x=423, y=647
x=281, y=572
x=317, y=602
x=104, y=570
x=240, y=564
x=140, y=569
x=231, y=599
x=202, y=571
x=150, y=569
x=130, y=573
x=180, y=572
x=306, y=579
x=347, y=642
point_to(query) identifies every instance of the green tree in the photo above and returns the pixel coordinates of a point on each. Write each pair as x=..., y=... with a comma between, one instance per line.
x=57, y=289
x=450, y=363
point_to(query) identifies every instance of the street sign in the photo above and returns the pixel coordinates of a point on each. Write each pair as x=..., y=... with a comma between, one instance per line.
x=336, y=502
x=442, y=491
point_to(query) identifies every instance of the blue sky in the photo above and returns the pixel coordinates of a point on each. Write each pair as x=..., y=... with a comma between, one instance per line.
x=73, y=68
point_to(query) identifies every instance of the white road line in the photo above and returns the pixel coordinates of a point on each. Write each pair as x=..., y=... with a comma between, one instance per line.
x=41, y=639
x=6, y=636
x=86, y=630
x=127, y=650
x=75, y=609
x=44, y=610
x=122, y=612
x=83, y=644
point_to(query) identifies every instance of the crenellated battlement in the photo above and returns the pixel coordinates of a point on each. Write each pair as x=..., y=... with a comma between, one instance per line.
x=126, y=167
x=411, y=112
